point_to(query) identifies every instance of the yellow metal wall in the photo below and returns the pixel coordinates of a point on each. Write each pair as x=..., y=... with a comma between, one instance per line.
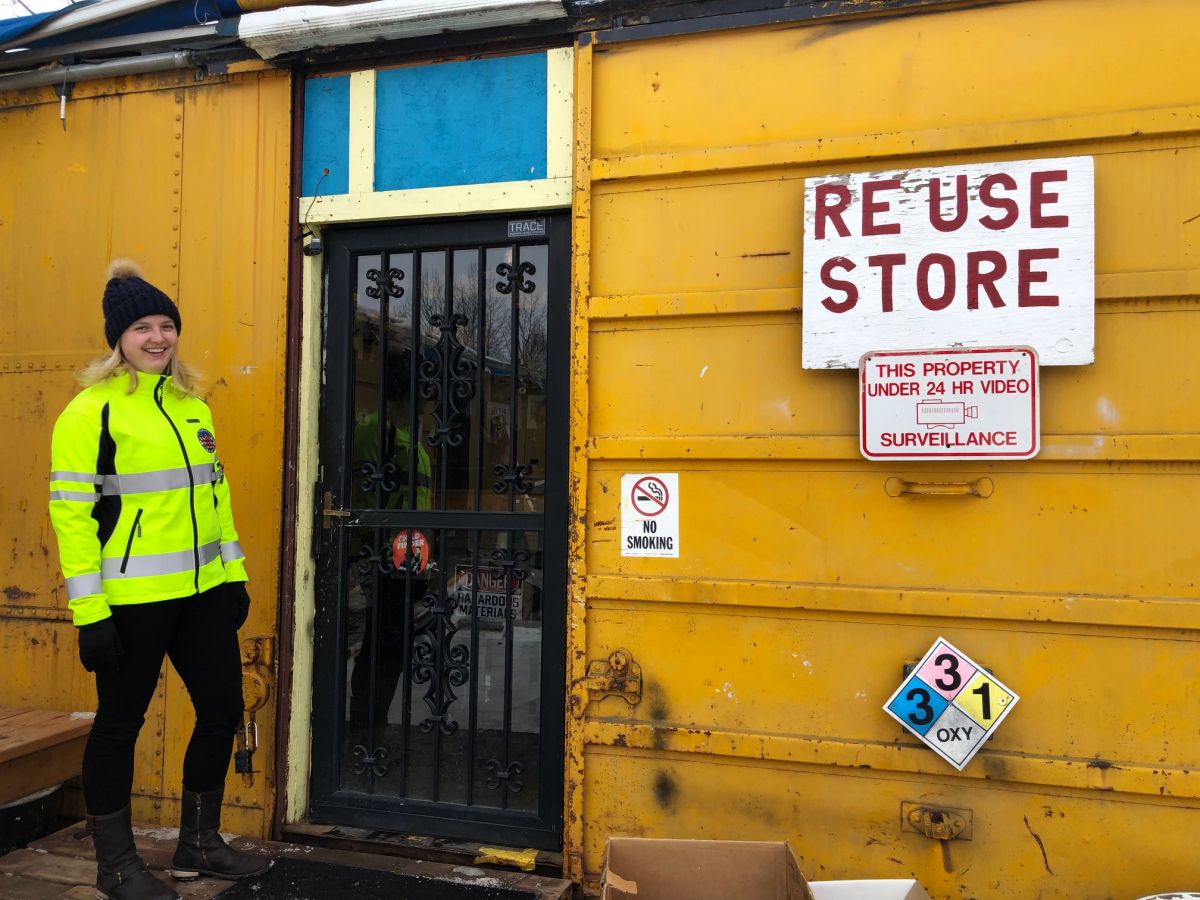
x=191, y=179
x=802, y=588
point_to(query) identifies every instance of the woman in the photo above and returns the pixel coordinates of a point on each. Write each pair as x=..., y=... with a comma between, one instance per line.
x=153, y=568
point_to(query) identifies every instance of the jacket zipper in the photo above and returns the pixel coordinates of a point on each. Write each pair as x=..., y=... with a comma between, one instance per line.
x=158, y=400
x=135, y=528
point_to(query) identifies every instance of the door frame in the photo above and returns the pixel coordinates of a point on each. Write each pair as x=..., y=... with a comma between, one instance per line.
x=327, y=803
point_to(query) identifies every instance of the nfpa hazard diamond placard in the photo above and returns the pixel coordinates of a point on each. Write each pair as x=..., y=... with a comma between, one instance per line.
x=951, y=703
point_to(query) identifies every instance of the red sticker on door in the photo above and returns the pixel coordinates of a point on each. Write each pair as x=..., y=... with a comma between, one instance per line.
x=410, y=551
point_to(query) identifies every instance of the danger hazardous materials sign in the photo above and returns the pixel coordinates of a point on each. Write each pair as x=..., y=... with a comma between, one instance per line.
x=951, y=703
x=650, y=515
x=967, y=403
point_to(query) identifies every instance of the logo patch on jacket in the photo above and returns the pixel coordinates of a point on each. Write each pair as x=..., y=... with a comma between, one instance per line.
x=207, y=441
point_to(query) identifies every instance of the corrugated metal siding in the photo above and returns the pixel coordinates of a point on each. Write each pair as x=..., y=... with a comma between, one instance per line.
x=191, y=180
x=802, y=588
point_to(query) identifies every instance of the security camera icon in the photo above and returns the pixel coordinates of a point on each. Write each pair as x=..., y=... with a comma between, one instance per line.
x=937, y=413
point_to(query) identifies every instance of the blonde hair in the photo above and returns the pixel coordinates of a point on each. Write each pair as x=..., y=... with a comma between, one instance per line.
x=183, y=377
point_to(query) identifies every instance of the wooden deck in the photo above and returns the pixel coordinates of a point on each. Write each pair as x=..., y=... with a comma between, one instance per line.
x=43, y=748
x=63, y=866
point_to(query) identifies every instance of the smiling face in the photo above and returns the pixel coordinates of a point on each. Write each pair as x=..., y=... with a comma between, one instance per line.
x=149, y=343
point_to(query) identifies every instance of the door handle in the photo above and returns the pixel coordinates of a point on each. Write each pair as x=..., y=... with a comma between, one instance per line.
x=897, y=487
x=331, y=517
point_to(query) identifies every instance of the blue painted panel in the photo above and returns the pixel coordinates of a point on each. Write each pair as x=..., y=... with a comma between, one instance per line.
x=469, y=122
x=326, y=135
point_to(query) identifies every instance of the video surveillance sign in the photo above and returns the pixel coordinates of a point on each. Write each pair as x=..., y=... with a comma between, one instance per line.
x=963, y=403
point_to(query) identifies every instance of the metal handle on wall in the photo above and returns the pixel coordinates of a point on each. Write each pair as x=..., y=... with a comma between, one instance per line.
x=898, y=487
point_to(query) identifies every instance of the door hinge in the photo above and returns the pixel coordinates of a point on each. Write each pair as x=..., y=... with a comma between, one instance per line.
x=617, y=676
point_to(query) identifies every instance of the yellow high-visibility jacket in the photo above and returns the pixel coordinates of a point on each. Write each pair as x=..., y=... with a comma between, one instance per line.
x=138, y=498
x=365, y=447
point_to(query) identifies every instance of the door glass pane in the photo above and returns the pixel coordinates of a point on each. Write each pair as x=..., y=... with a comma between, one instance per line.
x=386, y=471
x=471, y=612
x=498, y=380
x=439, y=667
x=461, y=454
x=531, y=386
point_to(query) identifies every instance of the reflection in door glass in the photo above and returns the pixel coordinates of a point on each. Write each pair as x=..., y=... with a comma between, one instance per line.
x=475, y=442
x=464, y=727
x=439, y=676
x=443, y=626
x=389, y=470
x=530, y=406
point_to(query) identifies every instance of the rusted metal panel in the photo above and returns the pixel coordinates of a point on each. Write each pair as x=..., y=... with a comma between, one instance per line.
x=805, y=580
x=191, y=179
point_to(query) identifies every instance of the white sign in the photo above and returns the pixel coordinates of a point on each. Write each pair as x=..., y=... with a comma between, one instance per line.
x=980, y=403
x=493, y=592
x=988, y=254
x=951, y=703
x=650, y=515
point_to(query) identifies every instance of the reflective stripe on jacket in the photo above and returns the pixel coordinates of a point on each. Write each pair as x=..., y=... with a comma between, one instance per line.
x=396, y=450
x=138, y=498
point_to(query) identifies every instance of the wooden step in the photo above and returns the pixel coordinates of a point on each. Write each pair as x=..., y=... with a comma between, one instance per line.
x=39, y=748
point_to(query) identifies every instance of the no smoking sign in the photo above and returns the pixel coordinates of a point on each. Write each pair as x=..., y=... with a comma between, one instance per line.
x=650, y=515
x=951, y=703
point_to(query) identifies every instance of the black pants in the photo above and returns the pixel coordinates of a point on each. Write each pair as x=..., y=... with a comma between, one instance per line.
x=388, y=623
x=199, y=634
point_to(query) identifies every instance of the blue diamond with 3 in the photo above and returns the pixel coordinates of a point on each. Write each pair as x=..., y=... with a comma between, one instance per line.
x=918, y=705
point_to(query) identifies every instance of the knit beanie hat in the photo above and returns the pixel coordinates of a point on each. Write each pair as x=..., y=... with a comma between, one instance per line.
x=128, y=297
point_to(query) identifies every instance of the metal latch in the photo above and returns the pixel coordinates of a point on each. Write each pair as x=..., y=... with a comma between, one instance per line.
x=258, y=662
x=330, y=516
x=939, y=823
x=617, y=676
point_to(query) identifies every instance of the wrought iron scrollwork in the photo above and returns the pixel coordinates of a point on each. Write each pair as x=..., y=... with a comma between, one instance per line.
x=511, y=561
x=370, y=759
x=385, y=283
x=512, y=479
x=384, y=477
x=376, y=558
x=514, y=278
x=448, y=380
x=504, y=775
x=439, y=663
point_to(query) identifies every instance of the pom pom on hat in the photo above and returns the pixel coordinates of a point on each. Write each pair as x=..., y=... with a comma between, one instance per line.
x=123, y=268
x=128, y=297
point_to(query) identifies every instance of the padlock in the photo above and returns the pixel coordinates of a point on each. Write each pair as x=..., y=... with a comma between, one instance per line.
x=243, y=757
x=242, y=763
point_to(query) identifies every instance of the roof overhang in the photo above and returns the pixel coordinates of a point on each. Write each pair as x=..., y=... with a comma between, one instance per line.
x=298, y=28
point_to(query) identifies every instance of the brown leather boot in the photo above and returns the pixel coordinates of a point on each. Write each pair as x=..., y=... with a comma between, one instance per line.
x=120, y=872
x=201, y=849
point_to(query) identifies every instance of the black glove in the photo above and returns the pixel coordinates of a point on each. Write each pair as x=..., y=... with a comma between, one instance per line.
x=241, y=601
x=100, y=646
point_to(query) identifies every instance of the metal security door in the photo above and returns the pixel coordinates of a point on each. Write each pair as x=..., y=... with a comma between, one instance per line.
x=441, y=600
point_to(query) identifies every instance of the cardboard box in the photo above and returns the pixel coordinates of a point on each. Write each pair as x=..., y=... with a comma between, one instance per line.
x=870, y=889
x=652, y=869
